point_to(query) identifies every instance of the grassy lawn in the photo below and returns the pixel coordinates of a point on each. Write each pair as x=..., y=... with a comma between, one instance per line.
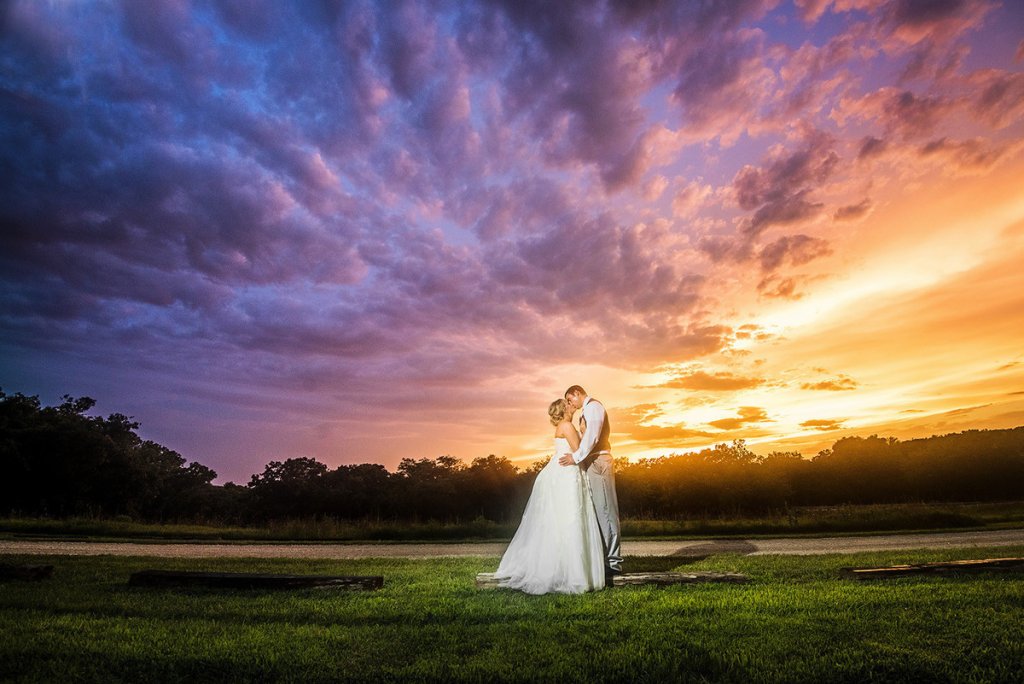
x=795, y=622
x=826, y=520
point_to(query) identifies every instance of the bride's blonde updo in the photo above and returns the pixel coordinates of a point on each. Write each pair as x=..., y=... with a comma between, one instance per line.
x=556, y=412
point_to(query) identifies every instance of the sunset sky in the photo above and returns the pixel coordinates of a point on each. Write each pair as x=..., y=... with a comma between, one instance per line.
x=371, y=231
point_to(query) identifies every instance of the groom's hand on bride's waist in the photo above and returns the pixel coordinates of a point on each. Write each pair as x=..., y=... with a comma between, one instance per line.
x=566, y=460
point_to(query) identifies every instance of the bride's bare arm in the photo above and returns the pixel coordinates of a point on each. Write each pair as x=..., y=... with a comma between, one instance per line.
x=567, y=430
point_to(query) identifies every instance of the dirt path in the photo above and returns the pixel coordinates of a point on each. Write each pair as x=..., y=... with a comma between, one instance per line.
x=690, y=548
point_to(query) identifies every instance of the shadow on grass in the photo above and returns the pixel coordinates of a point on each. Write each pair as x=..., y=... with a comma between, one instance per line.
x=715, y=547
x=654, y=563
x=687, y=555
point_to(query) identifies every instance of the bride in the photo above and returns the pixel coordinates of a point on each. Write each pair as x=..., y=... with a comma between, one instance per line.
x=558, y=546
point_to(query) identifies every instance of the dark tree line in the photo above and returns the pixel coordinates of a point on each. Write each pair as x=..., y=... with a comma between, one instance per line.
x=58, y=461
x=976, y=465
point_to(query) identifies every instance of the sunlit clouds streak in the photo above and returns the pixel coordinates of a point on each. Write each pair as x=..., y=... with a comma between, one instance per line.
x=369, y=231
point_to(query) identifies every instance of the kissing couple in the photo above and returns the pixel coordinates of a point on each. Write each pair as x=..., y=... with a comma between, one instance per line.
x=568, y=540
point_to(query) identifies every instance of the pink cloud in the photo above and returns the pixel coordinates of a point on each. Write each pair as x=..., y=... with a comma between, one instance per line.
x=812, y=10
x=999, y=100
x=689, y=199
x=912, y=21
x=964, y=155
x=786, y=173
x=852, y=212
x=870, y=146
x=795, y=250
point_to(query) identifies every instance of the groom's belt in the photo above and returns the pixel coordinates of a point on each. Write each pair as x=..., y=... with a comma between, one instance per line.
x=601, y=452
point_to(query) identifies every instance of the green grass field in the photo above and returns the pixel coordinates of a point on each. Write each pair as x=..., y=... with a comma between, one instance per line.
x=794, y=622
x=849, y=519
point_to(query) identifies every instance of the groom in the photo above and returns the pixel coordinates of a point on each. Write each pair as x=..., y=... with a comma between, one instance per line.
x=595, y=457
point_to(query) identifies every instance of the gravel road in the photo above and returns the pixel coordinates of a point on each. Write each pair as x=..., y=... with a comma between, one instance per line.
x=690, y=548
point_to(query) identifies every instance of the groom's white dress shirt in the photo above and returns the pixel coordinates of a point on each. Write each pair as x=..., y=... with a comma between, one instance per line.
x=594, y=414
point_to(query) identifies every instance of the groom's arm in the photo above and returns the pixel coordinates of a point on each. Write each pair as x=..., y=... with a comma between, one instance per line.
x=595, y=415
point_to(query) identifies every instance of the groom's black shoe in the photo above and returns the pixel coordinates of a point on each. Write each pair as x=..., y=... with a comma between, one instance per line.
x=609, y=576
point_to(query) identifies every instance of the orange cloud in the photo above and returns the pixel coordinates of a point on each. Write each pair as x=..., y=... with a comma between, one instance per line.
x=714, y=382
x=843, y=382
x=635, y=423
x=747, y=415
x=851, y=212
x=775, y=287
x=822, y=424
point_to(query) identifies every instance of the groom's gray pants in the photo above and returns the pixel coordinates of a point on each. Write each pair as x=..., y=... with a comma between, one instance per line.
x=601, y=473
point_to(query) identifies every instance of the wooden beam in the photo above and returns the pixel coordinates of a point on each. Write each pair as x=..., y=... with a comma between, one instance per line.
x=944, y=568
x=487, y=580
x=627, y=579
x=244, y=580
x=25, y=572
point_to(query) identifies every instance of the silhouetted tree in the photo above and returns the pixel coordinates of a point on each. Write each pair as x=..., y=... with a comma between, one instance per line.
x=360, y=491
x=294, y=487
x=60, y=461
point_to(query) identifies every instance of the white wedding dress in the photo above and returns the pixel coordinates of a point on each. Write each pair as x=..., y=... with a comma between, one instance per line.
x=558, y=546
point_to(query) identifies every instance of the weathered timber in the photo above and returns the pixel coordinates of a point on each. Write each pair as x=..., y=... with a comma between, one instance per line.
x=487, y=580
x=944, y=568
x=666, y=578
x=245, y=580
x=25, y=572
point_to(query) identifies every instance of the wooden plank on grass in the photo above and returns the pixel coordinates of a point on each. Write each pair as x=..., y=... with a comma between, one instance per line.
x=25, y=572
x=944, y=568
x=488, y=580
x=245, y=580
x=627, y=579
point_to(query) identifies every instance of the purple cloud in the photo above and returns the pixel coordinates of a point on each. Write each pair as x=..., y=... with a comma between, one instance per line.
x=784, y=175
x=347, y=207
x=963, y=154
x=870, y=146
x=796, y=250
x=852, y=212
